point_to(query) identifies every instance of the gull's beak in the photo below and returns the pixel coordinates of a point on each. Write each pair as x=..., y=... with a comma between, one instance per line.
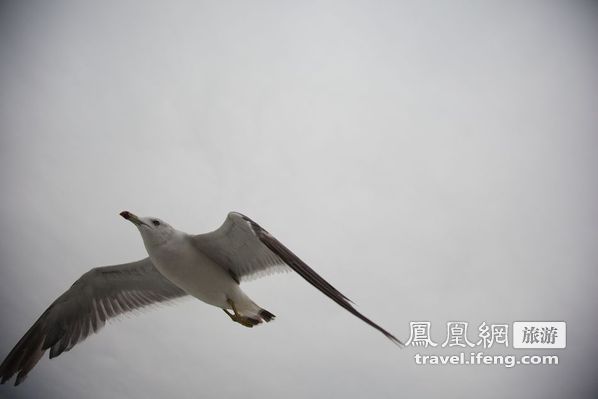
x=132, y=218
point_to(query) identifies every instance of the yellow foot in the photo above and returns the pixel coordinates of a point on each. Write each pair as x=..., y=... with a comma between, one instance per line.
x=243, y=320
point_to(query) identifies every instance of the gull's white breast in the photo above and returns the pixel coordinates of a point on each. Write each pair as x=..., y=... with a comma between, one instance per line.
x=180, y=262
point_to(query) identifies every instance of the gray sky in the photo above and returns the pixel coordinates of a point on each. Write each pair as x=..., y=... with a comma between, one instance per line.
x=433, y=161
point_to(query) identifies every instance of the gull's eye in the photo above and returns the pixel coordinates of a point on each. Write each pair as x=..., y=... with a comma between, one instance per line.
x=156, y=222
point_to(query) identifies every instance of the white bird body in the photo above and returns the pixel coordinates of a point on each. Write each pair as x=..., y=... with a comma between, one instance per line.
x=178, y=259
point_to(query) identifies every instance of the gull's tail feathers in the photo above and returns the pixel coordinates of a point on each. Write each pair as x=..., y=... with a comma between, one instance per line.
x=266, y=316
x=259, y=316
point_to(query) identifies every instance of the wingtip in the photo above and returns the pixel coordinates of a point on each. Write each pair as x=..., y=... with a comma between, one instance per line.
x=20, y=378
x=5, y=375
x=395, y=341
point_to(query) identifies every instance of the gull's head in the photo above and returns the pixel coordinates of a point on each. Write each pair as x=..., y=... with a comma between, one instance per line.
x=154, y=231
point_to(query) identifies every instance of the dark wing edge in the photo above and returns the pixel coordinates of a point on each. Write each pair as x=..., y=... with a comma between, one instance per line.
x=312, y=277
x=98, y=295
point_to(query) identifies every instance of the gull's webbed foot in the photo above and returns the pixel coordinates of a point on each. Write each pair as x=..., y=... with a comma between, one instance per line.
x=243, y=320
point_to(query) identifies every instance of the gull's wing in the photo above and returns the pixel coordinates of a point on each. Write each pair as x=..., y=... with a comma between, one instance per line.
x=235, y=246
x=245, y=249
x=98, y=295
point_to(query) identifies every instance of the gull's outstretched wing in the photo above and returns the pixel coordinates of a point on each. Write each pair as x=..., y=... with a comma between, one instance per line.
x=98, y=295
x=246, y=249
x=235, y=246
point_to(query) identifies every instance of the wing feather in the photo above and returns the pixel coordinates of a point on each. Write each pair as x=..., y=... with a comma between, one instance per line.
x=98, y=295
x=235, y=247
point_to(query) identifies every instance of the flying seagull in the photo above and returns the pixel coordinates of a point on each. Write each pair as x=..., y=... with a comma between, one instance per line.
x=208, y=266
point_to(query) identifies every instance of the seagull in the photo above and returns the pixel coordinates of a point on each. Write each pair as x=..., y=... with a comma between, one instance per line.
x=209, y=267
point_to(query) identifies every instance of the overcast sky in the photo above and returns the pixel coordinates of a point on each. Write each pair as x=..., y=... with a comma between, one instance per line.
x=433, y=161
